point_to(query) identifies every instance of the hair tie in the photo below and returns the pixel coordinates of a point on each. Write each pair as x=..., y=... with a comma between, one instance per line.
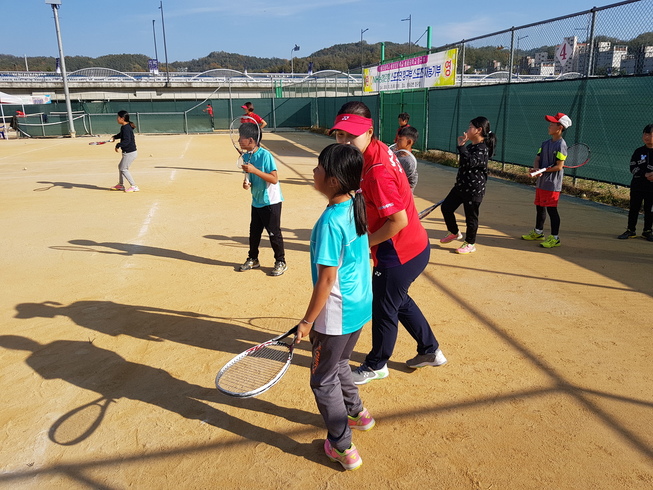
x=359, y=191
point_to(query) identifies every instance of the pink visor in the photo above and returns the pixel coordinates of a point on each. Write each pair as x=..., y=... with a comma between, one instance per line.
x=352, y=124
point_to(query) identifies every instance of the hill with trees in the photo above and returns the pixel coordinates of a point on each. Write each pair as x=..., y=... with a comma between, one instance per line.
x=342, y=57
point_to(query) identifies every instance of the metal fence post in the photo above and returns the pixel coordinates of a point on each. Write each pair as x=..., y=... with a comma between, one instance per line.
x=511, y=59
x=590, y=54
x=462, y=66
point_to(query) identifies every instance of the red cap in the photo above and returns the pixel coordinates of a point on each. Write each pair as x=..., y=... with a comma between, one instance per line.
x=352, y=124
x=560, y=118
x=243, y=107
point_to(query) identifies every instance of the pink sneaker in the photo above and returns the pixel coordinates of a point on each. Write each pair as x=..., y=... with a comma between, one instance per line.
x=362, y=421
x=451, y=237
x=349, y=458
x=117, y=187
x=133, y=188
x=466, y=248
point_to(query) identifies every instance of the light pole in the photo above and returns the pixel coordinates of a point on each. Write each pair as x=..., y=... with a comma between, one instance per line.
x=363, y=31
x=292, y=66
x=410, y=27
x=519, y=38
x=156, y=53
x=55, y=10
x=165, y=47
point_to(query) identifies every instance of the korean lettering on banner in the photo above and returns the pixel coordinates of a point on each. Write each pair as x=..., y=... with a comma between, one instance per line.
x=437, y=69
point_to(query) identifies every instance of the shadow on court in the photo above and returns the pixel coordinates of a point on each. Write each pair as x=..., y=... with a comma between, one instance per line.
x=591, y=400
x=159, y=324
x=128, y=249
x=68, y=185
x=293, y=239
x=106, y=373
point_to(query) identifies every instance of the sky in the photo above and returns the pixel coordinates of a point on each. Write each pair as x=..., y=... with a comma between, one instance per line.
x=195, y=28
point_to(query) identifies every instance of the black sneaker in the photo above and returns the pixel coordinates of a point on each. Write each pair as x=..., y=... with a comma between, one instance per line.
x=627, y=234
x=249, y=264
x=279, y=268
x=648, y=235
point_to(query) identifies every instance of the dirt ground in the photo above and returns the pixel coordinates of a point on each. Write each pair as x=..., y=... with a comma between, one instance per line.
x=118, y=310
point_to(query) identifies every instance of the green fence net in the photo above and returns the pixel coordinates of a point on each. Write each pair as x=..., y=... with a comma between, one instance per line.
x=608, y=114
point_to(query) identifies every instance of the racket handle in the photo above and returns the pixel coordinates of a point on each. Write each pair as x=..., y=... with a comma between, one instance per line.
x=538, y=172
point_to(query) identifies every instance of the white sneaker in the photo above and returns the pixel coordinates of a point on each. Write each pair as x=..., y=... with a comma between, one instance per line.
x=364, y=374
x=421, y=360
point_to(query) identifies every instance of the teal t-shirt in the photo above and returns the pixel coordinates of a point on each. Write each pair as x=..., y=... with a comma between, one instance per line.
x=334, y=243
x=263, y=193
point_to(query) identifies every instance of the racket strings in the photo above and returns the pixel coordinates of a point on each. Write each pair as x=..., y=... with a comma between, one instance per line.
x=577, y=155
x=255, y=370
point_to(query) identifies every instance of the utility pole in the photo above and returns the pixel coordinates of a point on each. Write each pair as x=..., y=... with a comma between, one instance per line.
x=55, y=9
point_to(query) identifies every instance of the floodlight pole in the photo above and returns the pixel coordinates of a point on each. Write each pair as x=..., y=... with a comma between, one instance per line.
x=519, y=38
x=55, y=9
x=363, y=31
x=292, y=66
x=410, y=27
x=156, y=52
x=165, y=47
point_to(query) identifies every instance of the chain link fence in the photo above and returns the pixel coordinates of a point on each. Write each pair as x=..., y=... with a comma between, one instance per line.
x=596, y=66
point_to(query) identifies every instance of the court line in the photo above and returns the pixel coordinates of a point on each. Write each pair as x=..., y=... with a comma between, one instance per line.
x=31, y=151
x=145, y=226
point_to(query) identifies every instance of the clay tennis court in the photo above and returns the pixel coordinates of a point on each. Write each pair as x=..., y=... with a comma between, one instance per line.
x=118, y=310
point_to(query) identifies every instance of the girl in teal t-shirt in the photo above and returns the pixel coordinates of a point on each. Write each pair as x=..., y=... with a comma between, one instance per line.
x=341, y=302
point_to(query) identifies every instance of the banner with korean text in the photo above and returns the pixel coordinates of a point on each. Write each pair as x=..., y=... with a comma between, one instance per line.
x=433, y=70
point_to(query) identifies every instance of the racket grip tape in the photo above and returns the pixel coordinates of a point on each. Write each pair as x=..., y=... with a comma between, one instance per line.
x=538, y=172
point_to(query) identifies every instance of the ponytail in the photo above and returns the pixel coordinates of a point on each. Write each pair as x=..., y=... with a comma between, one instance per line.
x=360, y=213
x=345, y=163
x=491, y=143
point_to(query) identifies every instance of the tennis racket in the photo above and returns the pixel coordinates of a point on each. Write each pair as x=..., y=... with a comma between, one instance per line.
x=241, y=130
x=578, y=155
x=257, y=369
x=424, y=213
x=99, y=142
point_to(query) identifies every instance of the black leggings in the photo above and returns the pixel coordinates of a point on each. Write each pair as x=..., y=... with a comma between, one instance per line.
x=541, y=218
x=452, y=202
